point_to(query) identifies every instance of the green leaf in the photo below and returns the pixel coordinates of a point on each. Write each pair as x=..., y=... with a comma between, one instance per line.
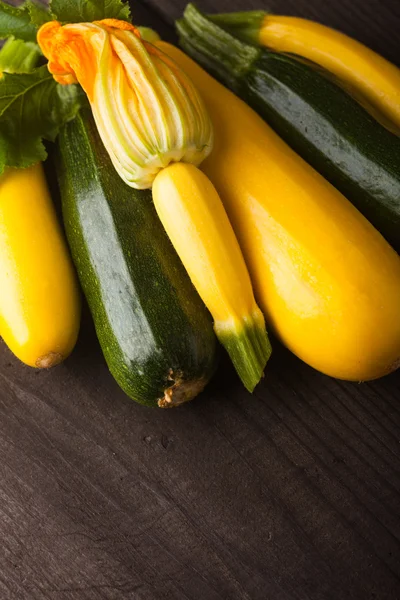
x=16, y=22
x=33, y=108
x=17, y=56
x=76, y=11
x=39, y=13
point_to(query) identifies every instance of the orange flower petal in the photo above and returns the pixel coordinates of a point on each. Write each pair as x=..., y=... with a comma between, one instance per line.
x=117, y=24
x=71, y=52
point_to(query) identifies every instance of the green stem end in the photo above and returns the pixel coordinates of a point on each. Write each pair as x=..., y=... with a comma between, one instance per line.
x=248, y=347
x=243, y=25
x=219, y=52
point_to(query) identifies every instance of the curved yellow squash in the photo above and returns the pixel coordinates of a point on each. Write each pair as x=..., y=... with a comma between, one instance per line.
x=377, y=79
x=39, y=298
x=327, y=281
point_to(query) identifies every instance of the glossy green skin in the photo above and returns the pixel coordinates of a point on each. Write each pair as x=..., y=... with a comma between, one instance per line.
x=312, y=113
x=332, y=132
x=152, y=326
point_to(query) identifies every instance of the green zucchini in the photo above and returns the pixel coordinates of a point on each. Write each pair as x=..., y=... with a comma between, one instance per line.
x=156, y=335
x=312, y=113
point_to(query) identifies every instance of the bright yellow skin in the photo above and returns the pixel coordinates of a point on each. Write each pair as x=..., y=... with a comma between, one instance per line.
x=373, y=76
x=326, y=279
x=196, y=223
x=39, y=298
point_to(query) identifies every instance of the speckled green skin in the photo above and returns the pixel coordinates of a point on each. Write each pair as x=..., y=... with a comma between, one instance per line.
x=312, y=113
x=333, y=133
x=152, y=326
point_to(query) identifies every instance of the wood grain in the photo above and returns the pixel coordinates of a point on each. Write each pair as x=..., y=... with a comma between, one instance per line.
x=292, y=494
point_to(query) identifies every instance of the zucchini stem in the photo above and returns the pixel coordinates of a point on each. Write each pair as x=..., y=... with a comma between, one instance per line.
x=244, y=25
x=221, y=53
x=249, y=348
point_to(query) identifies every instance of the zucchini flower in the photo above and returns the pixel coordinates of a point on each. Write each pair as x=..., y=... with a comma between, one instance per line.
x=147, y=111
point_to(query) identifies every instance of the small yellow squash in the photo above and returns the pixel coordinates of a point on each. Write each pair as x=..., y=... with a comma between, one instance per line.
x=327, y=281
x=196, y=223
x=39, y=298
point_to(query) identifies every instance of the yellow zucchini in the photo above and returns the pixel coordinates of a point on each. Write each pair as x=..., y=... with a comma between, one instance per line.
x=39, y=299
x=199, y=229
x=326, y=280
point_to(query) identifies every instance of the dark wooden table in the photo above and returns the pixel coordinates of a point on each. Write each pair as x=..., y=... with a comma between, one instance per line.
x=291, y=494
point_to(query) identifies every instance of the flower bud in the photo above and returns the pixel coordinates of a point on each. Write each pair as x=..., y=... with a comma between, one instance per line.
x=147, y=111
